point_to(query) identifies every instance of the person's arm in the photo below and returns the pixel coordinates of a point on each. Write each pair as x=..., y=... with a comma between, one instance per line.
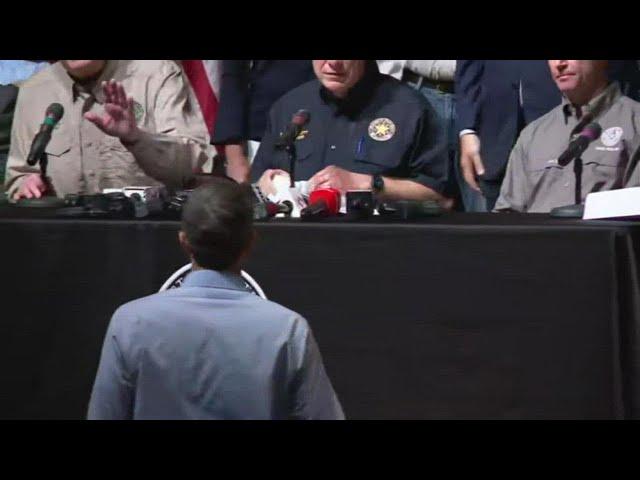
x=22, y=180
x=238, y=165
x=425, y=161
x=113, y=394
x=394, y=188
x=468, y=84
x=232, y=117
x=632, y=170
x=311, y=392
x=468, y=78
x=263, y=160
x=470, y=160
x=180, y=142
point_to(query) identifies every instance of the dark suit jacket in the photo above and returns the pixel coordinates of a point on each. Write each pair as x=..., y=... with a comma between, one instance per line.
x=247, y=93
x=8, y=96
x=487, y=101
x=627, y=74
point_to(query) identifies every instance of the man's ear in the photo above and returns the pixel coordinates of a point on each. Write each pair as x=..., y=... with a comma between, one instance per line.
x=184, y=243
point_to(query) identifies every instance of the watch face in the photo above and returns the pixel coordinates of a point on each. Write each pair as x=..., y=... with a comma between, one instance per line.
x=378, y=183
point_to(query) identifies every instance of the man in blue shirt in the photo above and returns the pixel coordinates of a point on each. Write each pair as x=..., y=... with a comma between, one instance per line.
x=211, y=349
x=12, y=72
x=366, y=131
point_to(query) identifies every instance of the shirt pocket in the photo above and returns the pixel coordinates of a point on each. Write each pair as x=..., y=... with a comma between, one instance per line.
x=118, y=164
x=304, y=149
x=58, y=146
x=606, y=169
x=373, y=156
x=545, y=170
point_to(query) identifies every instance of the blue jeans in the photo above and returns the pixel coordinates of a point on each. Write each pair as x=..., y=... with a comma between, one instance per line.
x=444, y=105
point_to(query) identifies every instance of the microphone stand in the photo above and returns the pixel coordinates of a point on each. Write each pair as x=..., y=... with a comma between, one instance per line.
x=577, y=209
x=290, y=148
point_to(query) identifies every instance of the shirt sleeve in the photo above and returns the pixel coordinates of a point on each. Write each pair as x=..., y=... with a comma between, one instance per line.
x=393, y=68
x=468, y=84
x=427, y=162
x=514, y=191
x=180, y=143
x=21, y=136
x=232, y=118
x=113, y=392
x=264, y=156
x=632, y=171
x=312, y=394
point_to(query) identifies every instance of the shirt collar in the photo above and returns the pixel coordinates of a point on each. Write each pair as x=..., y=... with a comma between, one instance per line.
x=358, y=97
x=215, y=279
x=596, y=106
x=75, y=88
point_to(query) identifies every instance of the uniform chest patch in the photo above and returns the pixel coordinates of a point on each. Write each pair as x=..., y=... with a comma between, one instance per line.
x=138, y=111
x=611, y=136
x=382, y=129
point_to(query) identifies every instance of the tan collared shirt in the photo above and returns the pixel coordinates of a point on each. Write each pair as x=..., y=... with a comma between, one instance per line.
x=83, y=159
x=434, y=70
x=534, y=181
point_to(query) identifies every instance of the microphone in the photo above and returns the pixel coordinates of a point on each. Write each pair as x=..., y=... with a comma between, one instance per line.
x=273, y=209
x=41, y=140
x=264, y=209
x=298, y=121
x=579, y=144
x=323, y=202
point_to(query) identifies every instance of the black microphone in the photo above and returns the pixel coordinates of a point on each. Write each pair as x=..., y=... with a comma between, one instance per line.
x=579, y=144
x=298, y=121
x=264, y=209
x=41, y=140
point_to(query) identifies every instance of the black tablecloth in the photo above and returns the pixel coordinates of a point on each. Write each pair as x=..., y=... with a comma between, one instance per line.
x=461, y=316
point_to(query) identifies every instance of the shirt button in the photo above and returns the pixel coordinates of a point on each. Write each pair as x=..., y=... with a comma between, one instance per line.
x=566, y=184
x=333, y=147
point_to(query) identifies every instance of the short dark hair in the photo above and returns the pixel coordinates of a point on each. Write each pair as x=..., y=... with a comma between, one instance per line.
x=218, y=222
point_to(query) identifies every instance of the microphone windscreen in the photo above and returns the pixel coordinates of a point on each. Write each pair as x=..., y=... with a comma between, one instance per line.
x=55, y=111
x=301, y=118
x=592, y=131
x=330, y=196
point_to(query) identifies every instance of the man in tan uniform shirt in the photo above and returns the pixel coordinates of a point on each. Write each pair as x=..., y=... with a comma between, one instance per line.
x=126, y=122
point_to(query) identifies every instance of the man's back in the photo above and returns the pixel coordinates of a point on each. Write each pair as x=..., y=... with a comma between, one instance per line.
x=210, y=350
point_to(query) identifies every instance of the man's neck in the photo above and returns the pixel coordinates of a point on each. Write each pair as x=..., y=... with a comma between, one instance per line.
x=233, y=269
x=580, y=99
x=88, y=79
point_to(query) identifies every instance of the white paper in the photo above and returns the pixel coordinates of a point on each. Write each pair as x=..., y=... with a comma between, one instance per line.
x=624, y=202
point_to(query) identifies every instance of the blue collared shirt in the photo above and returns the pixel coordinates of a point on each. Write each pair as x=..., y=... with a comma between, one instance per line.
x=13, y=71
x=210, y=350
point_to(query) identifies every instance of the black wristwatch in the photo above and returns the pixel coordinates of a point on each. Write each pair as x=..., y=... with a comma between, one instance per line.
x=377, y=183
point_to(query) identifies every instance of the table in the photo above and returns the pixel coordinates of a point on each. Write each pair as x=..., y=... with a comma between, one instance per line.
x=460, y=316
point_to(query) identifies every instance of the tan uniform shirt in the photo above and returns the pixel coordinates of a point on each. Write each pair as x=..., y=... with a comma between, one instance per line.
x=83, y=159
x=534, y=182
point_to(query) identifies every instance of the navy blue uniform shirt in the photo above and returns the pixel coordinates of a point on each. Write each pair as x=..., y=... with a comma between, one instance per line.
x=381, y=127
